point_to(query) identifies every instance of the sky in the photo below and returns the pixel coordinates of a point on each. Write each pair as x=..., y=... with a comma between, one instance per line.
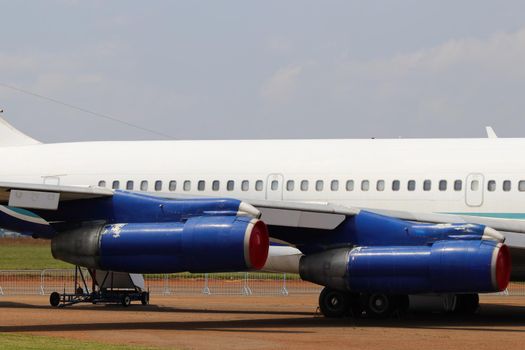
x=263, y=69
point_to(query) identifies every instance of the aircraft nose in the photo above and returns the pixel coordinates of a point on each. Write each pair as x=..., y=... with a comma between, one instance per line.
x=491, y=234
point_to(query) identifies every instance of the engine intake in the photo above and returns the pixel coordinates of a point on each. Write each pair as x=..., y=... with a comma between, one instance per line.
x=201, y=244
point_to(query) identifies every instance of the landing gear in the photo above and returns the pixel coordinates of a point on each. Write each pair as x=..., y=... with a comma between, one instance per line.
x=466, y=304
x=379, y=305
x=334, y=303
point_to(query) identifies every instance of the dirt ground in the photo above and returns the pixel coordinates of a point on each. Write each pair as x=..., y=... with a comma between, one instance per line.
x=213, y=322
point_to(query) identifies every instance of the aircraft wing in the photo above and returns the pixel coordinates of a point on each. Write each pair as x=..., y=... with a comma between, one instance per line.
x=44, y=196
x=307, y=215
x=506, y=225
x=285, y=216
x=328, y=216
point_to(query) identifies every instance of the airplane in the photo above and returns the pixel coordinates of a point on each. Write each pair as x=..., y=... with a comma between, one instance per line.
x=376, y=222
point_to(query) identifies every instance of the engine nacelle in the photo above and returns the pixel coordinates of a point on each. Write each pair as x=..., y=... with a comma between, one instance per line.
x=201, y=244
x=444, y=267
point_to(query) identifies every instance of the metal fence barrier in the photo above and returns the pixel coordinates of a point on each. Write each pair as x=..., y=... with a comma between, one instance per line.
x=42, y=282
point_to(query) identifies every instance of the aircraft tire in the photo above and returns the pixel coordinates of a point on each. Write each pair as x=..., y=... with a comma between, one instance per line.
x=334, y=303
x=380, y=305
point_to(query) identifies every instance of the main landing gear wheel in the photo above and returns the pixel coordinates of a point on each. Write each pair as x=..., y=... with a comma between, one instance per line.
x=54, y=299
x=379, y=305
x=126, y=300
x=466, y=304
x=334, y=303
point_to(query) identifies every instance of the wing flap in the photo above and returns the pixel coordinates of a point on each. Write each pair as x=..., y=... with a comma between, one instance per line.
x=307, y=215
x=65, y=193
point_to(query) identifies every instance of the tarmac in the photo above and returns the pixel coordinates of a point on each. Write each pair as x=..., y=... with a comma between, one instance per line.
x=282, y=322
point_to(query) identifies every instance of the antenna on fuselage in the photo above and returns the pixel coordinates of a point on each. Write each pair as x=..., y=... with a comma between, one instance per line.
x=491, y=134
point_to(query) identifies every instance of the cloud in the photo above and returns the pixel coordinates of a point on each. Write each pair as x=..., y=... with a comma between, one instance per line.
x=504, y=52
x=280, y=87
x=444, y=90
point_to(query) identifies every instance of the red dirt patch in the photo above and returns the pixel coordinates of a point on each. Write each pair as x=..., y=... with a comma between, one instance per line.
x=212, y=322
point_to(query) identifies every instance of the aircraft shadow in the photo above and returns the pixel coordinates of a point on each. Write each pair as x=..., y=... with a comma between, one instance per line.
x=150, y=308
x=492, y=318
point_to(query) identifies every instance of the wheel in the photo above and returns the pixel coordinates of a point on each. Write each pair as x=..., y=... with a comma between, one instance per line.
x=144, y=298
x=379, y=305
x=54, y=299
x=466, y=304
x=79, y=291
x=333, y=303
x=126, y=300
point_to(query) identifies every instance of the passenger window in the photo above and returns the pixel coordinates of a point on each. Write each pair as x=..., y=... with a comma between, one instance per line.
x=380, y=186
x=350, y=185
x=158, y=185
x=334, y=185
x=275, y=185
x=259, y=185
x=365, y=185
x=187, y=185
x=173, y=185
x=115, y=185
x=144, y=185
x=474, y=185
x=245, y=185
x=491, y=186
x=129, y=185
x=458, y=185
x=290, y=185
x=506, y=185
x=215, y=185
x=319, y=185
x=427, y=185
x=396, y=185
x=230, y=185
x=102, y=183
x=443, y=185
x=304, y=185
x=411, y=186
x=201, y=185
x=521, y=185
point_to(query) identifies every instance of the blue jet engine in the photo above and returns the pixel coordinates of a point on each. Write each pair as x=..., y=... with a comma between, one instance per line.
x=137, y=233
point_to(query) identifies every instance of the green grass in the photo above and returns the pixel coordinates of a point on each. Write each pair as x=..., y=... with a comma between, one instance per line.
x=28, y=254
x=22, y=341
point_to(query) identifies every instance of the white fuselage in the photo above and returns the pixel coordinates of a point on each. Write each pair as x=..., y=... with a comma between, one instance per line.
x=463, y=175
